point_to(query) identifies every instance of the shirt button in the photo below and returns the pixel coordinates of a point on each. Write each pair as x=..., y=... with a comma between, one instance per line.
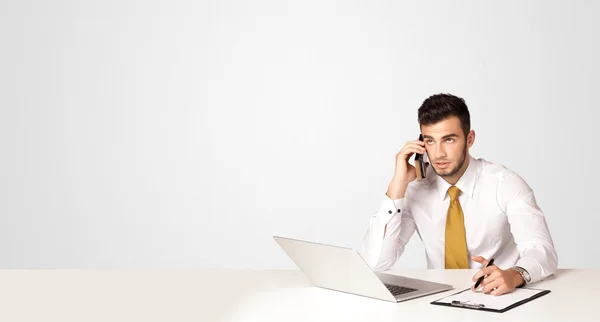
x=398, y=210
x=390, y=212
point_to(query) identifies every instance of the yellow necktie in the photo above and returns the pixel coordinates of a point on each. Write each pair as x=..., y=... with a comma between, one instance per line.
x=456, y=239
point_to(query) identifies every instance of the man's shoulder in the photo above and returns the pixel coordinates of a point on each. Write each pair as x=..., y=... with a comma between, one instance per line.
x=495, y=171
x=486, y=167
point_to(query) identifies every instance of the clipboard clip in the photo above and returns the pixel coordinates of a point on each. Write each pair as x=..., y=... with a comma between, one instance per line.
x=468, y=304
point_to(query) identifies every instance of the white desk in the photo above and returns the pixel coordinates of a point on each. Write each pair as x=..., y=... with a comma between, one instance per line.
x=260, y=295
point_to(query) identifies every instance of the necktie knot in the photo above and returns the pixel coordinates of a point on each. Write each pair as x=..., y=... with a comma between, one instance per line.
x=453, y=192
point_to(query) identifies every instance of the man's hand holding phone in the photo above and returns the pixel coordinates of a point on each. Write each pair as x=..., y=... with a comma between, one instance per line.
x=404, y=173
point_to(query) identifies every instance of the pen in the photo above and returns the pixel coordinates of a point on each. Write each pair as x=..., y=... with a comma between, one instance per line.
x=479, y=280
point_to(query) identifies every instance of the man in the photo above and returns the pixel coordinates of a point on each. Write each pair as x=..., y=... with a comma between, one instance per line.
x=466, y=211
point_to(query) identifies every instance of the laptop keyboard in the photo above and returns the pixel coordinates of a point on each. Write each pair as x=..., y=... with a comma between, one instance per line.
x=398, y=290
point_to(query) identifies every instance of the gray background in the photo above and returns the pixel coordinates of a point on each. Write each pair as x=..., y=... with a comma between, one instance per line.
x=187, y=133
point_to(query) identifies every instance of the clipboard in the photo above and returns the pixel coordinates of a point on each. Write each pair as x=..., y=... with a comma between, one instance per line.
x=490, y=303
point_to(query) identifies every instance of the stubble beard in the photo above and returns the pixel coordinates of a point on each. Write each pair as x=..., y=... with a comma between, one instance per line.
x=454, y=170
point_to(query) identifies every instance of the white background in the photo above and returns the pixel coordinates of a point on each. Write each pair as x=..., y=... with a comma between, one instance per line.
x=187, y=133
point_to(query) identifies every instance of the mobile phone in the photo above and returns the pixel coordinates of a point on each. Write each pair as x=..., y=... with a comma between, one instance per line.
x=419, y=163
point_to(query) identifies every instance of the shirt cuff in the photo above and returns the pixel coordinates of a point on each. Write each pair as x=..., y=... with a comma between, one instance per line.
x=389, y=208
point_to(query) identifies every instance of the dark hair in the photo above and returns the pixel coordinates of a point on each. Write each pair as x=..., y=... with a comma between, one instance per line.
x=438, y=107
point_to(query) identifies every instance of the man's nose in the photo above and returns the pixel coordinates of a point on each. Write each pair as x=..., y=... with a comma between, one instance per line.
x=439, y=152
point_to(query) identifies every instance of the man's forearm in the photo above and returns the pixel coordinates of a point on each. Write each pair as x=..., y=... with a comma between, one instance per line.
x=397, y=189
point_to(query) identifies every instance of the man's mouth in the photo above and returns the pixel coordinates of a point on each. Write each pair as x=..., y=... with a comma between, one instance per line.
x=442, y=164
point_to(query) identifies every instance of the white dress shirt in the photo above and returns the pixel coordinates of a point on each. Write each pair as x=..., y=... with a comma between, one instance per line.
x=502, y=221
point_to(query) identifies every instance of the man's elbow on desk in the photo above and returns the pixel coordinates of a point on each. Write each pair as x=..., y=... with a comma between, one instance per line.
x=376, y=264
x=382, y=266
x=540, y=262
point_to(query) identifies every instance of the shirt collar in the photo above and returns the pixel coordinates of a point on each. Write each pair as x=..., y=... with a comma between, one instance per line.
x=466, y=183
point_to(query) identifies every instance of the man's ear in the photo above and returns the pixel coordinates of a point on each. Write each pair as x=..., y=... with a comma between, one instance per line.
x=470, y=138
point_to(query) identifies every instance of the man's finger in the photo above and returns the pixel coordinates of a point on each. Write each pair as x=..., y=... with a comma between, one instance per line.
x=419, y=142
x=491, y=278
x=480, y=260
x=490, y=270
x=477, y=276
x=491, y=285
x=412, y=149
x=485, y=271
x=502, y=289
x=416, y=144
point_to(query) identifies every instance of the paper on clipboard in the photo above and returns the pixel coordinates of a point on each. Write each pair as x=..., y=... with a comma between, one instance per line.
x=489, y=301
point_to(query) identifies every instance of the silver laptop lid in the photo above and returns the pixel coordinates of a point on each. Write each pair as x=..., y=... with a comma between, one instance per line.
x=336, y=268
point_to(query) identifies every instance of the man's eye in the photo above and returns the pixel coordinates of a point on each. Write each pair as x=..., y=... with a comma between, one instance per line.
x=450, y=140
x=429, y=141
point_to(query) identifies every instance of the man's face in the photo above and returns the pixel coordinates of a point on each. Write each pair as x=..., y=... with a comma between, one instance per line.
x=447, y=147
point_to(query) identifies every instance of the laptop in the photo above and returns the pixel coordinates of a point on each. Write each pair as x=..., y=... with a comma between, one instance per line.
x=343, y=269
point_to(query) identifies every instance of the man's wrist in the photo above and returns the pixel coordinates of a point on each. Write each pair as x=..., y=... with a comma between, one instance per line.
x=516, y=278
x=522, y=277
